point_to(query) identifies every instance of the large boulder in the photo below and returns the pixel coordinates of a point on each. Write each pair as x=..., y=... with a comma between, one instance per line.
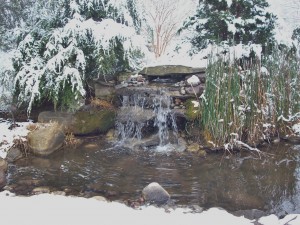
x=62, y=118
x=93, y=121
x=84, y=122
x=3, y=170
x=14, y=154
x=155, y=194
x=3, y=165
x=46, y=140
x=2, y=179
x=104, y=90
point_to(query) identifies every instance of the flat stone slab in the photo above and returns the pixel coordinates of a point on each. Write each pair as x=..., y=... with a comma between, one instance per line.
x=170, y=70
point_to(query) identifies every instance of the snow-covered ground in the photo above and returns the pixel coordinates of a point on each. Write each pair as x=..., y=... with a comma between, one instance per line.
x=55, y=210
x=7, y=136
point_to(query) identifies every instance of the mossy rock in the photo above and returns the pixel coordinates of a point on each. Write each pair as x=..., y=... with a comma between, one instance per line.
x=91, y=122
x=192, y=112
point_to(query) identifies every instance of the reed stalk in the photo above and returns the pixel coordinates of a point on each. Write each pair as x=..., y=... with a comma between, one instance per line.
x=248, y=105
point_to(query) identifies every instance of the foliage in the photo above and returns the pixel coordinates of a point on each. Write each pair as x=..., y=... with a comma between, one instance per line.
x=296, y=35
x=193, y=112
x=250, y=105
x=236, y=21
x=70, y=42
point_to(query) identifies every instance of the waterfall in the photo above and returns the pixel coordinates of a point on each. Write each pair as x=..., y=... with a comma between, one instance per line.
x=164, y=117
x=146, y=112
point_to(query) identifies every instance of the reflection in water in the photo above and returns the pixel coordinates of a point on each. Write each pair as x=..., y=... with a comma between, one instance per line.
x=233, y=182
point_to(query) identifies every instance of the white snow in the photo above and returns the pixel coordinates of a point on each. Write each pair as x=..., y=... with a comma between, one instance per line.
x=7, y=136
x=55, y=209
x=195, y=103
x=193, y=80
x=296, y=128
x=6, y=82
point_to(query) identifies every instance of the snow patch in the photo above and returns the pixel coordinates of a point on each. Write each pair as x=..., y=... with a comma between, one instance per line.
x=7, y=136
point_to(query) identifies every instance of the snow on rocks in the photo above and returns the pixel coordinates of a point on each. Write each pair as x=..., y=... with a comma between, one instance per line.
x=296, y=128
x=194, y=80
x=8, y=135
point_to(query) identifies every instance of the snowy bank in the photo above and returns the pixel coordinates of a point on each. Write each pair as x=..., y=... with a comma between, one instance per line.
x=55, y=209
x=7, y=136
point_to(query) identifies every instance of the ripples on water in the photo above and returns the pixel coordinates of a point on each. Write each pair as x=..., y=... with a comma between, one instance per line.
x=234, y=182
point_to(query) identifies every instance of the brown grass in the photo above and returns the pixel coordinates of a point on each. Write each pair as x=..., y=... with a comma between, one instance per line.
x=100, y=103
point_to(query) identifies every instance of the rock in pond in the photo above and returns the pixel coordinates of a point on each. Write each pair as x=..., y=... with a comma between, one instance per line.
x=155, y=194
x=3, y=169
x=3, y=165
x=2, y=179
x=46, y=140
x=14, y=154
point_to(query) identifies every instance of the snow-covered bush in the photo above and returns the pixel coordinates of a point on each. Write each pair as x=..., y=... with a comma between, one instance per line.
x=72, y=42
x=6, y=81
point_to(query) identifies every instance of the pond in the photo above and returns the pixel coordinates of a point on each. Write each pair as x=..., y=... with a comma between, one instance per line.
x=232, y=181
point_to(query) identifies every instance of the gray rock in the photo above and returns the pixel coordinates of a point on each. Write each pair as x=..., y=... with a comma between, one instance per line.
x=84, y=122
x=250, y=214
x=140, y=115
x=63, y=118
x=2, y=179
x=14, y=154
x=3, y=165
x=92, y=121
x=104, y=91
x=198, y=90
x=155, y=194
x=47, y=140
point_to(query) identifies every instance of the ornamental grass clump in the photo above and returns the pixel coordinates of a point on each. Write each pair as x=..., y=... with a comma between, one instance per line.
x=247, y=101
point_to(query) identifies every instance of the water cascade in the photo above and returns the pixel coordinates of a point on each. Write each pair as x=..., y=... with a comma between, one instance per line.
x=142, y=115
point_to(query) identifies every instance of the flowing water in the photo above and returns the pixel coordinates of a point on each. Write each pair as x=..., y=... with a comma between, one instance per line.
x=238, y=181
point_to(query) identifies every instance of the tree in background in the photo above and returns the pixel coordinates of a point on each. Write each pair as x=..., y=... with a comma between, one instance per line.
x=231, y=21
x=163, y=20
x=71, y=41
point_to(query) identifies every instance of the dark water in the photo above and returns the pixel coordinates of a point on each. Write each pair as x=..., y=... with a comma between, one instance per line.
x=235, y=182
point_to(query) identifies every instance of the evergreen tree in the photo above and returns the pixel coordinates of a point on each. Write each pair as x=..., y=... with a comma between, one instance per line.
x=71, y=41
x=231, y=21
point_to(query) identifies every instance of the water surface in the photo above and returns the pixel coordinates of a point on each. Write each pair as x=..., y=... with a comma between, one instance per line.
x=233, y=181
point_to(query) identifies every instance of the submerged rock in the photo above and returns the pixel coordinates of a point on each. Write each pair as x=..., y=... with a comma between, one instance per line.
x=155, y=194
x=14, y=154
x=46, y=140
